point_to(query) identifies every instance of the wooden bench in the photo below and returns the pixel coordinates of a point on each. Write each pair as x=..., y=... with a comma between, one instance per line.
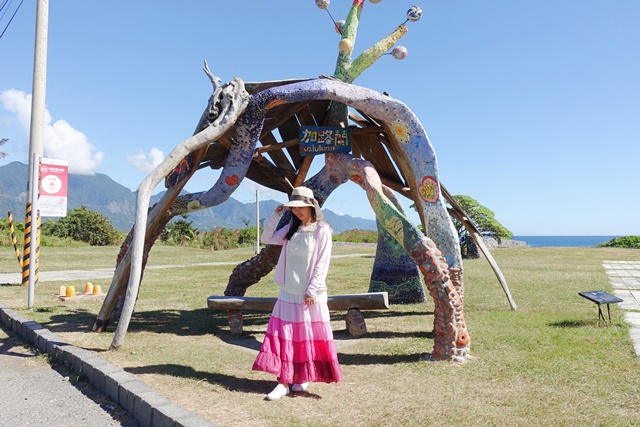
x=351, y=303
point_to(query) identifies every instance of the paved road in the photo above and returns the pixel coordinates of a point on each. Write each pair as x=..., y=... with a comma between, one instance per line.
x=98, y=273
x=625, y=279
x=34, y=394
x=107, y=273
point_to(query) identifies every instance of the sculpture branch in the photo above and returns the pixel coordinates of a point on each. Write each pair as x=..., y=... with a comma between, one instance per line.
x=234, y=99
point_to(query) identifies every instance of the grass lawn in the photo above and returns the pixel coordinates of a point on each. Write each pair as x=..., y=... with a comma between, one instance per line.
x=547, y=363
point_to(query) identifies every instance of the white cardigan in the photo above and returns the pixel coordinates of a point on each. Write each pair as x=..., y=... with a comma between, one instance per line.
x=320, y=257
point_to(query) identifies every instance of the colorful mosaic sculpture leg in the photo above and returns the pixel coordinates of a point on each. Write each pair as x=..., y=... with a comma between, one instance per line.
x=451, y=341
x=394, y=271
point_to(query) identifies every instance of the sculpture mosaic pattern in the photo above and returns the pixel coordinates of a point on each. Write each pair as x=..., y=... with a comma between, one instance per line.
x=437, y=256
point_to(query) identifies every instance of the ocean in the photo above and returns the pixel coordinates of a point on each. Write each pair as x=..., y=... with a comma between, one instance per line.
x=576, y=241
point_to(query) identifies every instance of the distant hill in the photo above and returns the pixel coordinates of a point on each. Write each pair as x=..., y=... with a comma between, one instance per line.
x=102, y=194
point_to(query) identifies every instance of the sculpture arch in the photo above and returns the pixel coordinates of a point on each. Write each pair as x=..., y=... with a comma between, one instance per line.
x=391, y=152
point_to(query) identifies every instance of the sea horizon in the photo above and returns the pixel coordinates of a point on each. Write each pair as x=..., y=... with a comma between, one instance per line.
x=571, y=241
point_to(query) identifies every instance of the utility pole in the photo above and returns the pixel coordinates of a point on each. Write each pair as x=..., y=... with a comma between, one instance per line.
x=36, y=136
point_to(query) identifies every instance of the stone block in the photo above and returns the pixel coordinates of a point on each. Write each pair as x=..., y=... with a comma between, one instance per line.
x=16, y=322
x=193, y=420
x=73, y=357
x=54, y=349
x=114, y=381
x=4, y=317
x=128, y=391
x=145, y=405
x=30, y=329
x=88, y=369
x=168, y=415
x=43, y=336
x=101, y=371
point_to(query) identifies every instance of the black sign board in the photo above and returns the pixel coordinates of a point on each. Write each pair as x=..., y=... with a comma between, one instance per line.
x=600, y=297
x=321, y=140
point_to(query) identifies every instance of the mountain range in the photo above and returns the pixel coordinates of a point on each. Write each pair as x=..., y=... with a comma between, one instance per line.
x=102, y=194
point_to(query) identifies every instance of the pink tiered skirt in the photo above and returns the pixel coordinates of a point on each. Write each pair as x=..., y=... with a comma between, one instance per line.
x=298, y=346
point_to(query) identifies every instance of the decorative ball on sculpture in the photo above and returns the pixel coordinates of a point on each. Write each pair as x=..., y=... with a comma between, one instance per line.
x=345, y=46
x=375, y=1
x=339, y=26
x=399, y=52
x=323, y=4
x=414, y=13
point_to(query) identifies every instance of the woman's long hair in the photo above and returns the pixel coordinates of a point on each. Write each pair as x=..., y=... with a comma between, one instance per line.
x=295, y=223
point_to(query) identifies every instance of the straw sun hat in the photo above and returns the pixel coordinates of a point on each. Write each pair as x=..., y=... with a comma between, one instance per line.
x=300, y=196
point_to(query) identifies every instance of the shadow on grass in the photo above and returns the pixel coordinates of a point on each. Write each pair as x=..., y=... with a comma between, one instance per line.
x=344, y=335
x=73, y=321
x=373, y=314
x=229, y=382
x=177, y=322
x=204, y=322
x=247, y=340
x=250, y=340
x=378, y=359
x=571, y=324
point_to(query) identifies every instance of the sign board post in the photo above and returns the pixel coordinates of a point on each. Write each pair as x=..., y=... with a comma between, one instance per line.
x=54, y=179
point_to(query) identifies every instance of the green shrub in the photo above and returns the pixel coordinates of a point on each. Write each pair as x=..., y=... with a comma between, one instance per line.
x=622, y=242
x=84, y=225
x=247, y=236
x=180, y=232
x=5, y=232
x=220, y=238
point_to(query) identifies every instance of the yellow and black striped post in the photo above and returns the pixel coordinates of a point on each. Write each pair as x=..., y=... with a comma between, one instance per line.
x=37, y=260
x=26, y=256
x=12, y=232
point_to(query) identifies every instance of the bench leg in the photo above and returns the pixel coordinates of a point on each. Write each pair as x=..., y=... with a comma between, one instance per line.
x=235, y=322
x=356, y=325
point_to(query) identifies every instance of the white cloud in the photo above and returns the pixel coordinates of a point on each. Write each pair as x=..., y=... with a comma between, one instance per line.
x=61, y=140
x=146, y=163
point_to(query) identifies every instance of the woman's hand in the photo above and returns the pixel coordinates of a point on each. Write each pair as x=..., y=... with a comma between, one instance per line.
x=308, y=300
x=279, y=209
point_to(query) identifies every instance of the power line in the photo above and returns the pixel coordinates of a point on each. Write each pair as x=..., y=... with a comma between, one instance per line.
x=3, y=4
x=6, y=10
x=12, y=16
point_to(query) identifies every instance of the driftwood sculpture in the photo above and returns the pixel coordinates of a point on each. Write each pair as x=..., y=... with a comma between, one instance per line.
x=390, y=154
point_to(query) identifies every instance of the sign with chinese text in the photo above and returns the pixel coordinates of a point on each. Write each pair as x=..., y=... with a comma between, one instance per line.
x=320, y=140
x=54, y=178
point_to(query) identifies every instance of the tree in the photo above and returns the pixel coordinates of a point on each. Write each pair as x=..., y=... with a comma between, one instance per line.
x=2, y=153
x=485, y=222
x=179, y=232
x=84, y=225
x=622, y=242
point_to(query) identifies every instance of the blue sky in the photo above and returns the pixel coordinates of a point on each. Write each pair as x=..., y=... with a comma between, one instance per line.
x=533, y=107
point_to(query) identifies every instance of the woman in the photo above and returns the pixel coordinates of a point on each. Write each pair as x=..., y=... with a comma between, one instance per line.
x=298, y=346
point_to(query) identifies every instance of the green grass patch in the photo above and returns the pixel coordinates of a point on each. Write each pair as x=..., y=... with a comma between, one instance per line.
x=547, y=363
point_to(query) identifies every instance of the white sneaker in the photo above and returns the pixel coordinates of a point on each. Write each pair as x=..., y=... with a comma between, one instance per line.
x=299, y=387
x=278, y=392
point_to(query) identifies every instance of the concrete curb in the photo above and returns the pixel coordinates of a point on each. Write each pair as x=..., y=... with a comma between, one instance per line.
x=148, y=407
